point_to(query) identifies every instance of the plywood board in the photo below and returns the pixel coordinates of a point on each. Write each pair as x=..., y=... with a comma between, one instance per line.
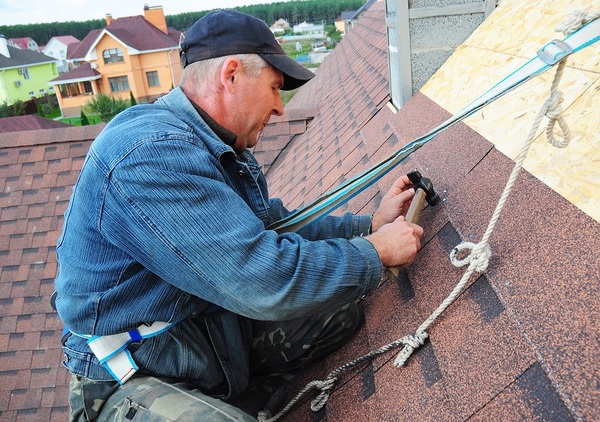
x=498, y=47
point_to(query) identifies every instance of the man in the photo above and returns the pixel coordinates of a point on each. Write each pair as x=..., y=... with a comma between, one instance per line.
x=181, y=303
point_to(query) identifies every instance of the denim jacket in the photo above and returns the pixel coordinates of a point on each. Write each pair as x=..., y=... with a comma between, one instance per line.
x=166, y=219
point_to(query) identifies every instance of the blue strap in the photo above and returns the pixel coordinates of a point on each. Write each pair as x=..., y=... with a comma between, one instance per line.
x=548, y=56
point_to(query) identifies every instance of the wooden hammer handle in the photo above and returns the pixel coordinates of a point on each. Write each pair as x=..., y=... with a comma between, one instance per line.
x=416, y=206
x=412, y=216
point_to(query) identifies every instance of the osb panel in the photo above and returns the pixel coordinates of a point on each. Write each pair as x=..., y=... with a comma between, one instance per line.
x=505, y=41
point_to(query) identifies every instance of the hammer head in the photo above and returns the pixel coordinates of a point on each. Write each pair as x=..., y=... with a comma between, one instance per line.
x=420, y=182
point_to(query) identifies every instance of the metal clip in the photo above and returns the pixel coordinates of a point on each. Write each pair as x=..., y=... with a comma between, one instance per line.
x=554, y=51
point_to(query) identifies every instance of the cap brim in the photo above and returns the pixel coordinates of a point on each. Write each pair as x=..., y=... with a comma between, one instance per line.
x=294, y=74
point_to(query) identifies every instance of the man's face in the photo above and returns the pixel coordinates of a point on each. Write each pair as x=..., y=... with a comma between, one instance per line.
x=258, y=99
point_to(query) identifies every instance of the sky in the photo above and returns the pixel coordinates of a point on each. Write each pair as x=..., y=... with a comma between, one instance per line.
x=13, y=12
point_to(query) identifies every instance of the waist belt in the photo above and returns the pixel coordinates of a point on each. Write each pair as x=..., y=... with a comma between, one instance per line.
x=112, y=353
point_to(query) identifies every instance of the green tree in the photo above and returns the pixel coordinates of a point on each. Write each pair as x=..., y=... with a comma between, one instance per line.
x=132, y=100
x=106, y=107
x=5, y=110
x=84, y=119
x=47, y=104
x=18, y=108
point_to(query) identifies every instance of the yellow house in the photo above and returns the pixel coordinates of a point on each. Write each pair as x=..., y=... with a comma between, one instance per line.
x=137, y=54
x=23, y=73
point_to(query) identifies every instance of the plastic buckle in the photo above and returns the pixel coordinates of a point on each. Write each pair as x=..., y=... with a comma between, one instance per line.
x=554, y=51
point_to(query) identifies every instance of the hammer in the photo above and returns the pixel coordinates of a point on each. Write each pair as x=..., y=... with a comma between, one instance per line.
x=423, y=192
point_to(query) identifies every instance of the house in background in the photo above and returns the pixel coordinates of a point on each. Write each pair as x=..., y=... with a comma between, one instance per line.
x=347, y=19
x=309, y=28
x=24, y=43
x=24, y=73
x=57, y=47
x=280, y=26
x=137, y=54
x=344, y=21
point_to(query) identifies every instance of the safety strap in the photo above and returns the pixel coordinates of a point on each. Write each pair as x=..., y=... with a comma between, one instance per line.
x=112, y=350
x=547, y=57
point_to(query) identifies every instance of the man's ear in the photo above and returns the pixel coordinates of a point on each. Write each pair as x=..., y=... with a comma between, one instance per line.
x=230, y=72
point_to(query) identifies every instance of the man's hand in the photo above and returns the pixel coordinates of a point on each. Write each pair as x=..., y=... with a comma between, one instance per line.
x=394, y=204
x=397, y=243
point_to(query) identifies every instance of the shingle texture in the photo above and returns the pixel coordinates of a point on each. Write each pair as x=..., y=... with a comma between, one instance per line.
x=37, y=171
x=28, y=122
x=520, y=343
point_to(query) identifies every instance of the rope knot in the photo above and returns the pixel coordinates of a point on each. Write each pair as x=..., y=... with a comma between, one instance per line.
x=575, y=21
x=325, y=386
x=479, y=256
x=411, y=342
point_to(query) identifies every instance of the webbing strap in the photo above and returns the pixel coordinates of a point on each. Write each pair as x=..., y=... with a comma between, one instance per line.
x=111, y=351
x=548, y=56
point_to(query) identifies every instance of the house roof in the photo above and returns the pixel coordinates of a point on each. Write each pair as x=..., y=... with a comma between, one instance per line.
x=21, y=42
x=84, y=72
x=28, y=122
x=363, y=8
x=134, y=32
x=19, y=58
x=78, y=51
x=66, y=39
x=518, y=344
x=347, y=15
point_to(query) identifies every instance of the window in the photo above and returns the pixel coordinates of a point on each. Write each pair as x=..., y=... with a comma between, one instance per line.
x=113, y=55
x=152, y=78
x=119, y=84
x=87, y=87
x=42, y=91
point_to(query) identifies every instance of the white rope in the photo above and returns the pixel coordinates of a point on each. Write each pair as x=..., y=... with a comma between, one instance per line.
x=480, y=253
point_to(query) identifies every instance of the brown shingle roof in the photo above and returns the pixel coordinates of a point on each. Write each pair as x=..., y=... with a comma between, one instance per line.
x=77, y=51
x=133, y=31
x=28, y=122
x=82, y=72
x=137, y=32
x=515, y=345
x=37, y=171
x=519, y=344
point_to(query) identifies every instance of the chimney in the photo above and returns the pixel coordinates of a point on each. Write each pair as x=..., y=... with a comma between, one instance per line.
x=156, y=16
x=4, y=47
x=109, y=19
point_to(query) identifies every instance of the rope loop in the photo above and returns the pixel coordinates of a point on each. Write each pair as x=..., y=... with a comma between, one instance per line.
x=479, y=256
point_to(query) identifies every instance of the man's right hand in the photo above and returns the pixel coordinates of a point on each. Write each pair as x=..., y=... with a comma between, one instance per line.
x=397, y=243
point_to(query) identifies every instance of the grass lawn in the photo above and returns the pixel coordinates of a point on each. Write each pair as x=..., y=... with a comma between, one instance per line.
x=76, y=121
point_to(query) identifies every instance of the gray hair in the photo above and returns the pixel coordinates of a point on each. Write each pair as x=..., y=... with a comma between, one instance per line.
x=200, y=77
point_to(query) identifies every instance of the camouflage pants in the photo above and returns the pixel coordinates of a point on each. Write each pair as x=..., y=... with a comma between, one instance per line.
x=278, y=351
